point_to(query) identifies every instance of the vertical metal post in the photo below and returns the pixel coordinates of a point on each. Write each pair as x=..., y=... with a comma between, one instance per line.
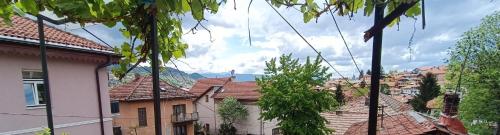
x=45, y=72
x=153, y=41
x=375, y=77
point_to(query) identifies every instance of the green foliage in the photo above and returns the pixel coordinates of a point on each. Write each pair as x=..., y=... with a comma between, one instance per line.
x=480, y=79
x=339, y=95
x=384, y=88
x=132, y=14
x=360, y=92
x=429, y=89
x=46, y=131
x=227, y=129
x=311, y=9
x=290, y=95
x=231, y=110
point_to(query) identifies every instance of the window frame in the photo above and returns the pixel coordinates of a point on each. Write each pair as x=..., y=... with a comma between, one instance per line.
x=35, y=92
x=142, y=120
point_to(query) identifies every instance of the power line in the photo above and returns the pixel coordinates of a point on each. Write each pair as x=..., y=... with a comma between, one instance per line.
x=312, y=47
x=343, y=39
x=97, y=37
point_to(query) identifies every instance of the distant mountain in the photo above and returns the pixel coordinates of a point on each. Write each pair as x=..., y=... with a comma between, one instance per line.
x=239, y=77
x=171, y=75
x=196, y=76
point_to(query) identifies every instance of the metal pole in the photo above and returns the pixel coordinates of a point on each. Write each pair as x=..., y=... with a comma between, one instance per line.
x=45, y=72
x=375, y=77
x=156, y=71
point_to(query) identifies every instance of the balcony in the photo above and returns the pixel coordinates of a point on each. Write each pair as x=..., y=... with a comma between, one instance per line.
x=184, y=117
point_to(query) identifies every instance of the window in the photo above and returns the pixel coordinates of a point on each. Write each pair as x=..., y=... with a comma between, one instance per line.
x=117, y=130
x=34, y=90
x=180, y=130
x=179, y=109
x=115, y=107
x=142, y=117
x=206, y=98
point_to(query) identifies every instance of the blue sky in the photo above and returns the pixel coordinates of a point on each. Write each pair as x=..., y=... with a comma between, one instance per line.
x=271, y=37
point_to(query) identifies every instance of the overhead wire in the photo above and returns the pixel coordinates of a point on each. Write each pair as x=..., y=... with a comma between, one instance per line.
x=315, y=50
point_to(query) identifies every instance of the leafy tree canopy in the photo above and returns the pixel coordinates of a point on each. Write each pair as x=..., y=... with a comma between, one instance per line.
x=291, y=96
x=429, y=89
x=132, y=14
x=480, y=78
x=339, y=95
x=231, y=110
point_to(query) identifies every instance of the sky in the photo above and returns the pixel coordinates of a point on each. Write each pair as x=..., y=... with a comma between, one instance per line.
x=229, y=47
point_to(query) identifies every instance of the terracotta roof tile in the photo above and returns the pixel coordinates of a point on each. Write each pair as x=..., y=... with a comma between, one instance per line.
x=25, y=28
x=141, y=88
x=403, y=123
x=240, y=90
x=202, y=85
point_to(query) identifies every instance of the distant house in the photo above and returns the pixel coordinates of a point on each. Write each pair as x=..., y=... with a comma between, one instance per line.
x=134, y=114
x=438, y=71
x=211, y=91
x=77, y=74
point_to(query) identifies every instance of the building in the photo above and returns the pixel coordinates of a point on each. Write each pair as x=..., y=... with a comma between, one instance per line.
x=134, y=114
x=211, y=91
x=77, y=78
x=438, y=71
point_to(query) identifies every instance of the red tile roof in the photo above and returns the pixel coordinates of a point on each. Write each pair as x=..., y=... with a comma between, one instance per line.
x=26, y=29
x=141, y=88
x=453, y=125
x=401, y=124
x=240, y=90
x=202, y=85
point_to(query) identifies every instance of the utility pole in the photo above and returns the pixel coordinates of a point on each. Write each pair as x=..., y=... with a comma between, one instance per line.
x=45, y=72
x=153, y=41
x=375, y=76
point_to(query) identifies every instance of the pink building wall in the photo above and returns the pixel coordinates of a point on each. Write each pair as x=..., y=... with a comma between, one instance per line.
x=73, y=93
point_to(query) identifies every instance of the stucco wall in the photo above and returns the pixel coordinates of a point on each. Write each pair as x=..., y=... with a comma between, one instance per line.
x=128, y=116
x=73, y=93
x=206, y=112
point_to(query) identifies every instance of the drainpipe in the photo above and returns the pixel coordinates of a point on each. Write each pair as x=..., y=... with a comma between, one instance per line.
x=98, y=84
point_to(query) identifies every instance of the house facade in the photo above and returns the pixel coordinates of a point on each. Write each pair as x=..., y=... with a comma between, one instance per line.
x=211, y=92
x=133, y=113
x=77, y=77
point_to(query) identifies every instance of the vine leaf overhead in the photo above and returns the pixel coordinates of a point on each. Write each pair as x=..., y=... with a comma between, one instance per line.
x=131, y=16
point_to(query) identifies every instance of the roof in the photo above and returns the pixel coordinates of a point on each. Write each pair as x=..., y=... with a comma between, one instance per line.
x=202, y=85
x=410, y=123
x=239, y=90
x=453, y=125
x=141, y=88
x=25, y=29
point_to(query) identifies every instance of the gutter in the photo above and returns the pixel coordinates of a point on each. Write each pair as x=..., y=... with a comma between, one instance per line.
x=98, y=85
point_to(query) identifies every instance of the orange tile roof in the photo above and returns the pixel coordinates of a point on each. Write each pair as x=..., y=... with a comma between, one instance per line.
x=25, y=29
x=141, y=88
x=240, y=90
x=401, y=124
x=202, y=85
x=453, y=125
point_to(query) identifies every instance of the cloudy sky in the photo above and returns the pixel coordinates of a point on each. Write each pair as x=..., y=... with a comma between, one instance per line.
x=271, y=36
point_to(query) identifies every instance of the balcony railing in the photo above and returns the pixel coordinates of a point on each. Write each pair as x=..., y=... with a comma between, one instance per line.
x=184, y=117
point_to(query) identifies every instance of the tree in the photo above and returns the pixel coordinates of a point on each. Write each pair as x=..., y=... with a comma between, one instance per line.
x=429, y=89
x=480, y=83
x=361, y=74
x=133, y=15
x=289, y=95
x=369, y=72
x=339, y=95
x=231, y=110
x=384, y=88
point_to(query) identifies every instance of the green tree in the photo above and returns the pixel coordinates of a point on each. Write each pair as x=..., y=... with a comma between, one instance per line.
x=429, y=89
x=479, y=109
x=339, y=95
x=289, y=95
x=384, y=88
x=231, y=110
x=369, y=72
x=361, y=74
x=132, y=15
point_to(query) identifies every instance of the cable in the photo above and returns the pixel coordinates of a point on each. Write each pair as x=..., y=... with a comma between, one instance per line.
x=343, y=39
x=312, y=47
x=96, y=37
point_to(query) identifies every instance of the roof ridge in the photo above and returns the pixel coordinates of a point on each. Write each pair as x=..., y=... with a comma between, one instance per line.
x=71, y=34
x=135, y=87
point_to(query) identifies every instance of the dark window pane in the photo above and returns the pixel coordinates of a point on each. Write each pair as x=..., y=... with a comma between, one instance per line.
x=115, y=107
x=142, y=117
x=28, y=94
x=41, y=93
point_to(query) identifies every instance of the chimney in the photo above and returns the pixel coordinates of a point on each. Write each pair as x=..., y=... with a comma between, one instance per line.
x=450, y=107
